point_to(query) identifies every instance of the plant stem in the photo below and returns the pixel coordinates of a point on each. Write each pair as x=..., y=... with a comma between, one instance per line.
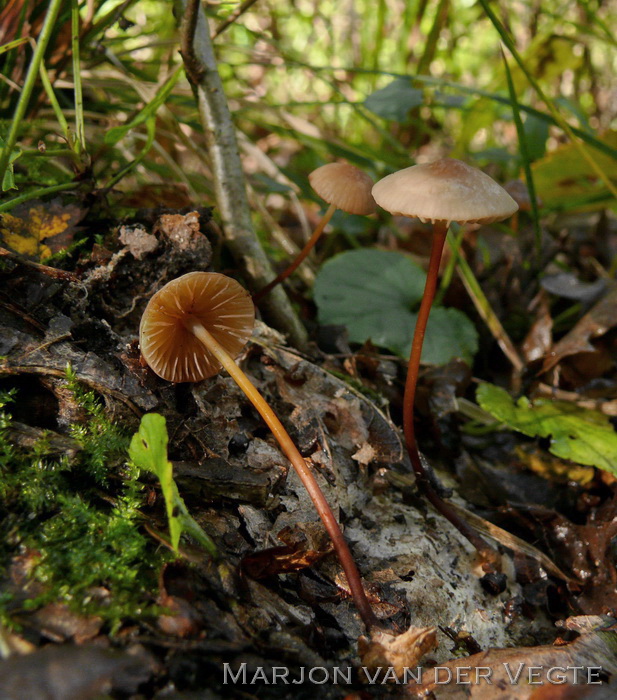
x=80, y=136
x=310, y=244
x=299, y=464
x=34, y=194
x=440, y=229
x=53, y=101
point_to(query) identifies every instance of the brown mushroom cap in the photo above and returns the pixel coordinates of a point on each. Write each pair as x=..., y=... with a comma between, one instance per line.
x=445, y=190
x=345, y=186
x=218, y=302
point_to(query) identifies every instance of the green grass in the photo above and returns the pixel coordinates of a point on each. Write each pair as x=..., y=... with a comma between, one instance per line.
x=313, y=64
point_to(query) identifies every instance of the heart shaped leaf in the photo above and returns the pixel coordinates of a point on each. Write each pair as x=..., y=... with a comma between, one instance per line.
x=375, y=294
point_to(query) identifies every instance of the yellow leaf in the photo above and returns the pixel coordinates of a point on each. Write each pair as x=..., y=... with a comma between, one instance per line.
x=37, y=229
x=562, y=177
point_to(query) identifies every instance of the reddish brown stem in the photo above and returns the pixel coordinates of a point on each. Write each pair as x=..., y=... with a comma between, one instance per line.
x=300, y=257
x=299, y=464
x=440, y=229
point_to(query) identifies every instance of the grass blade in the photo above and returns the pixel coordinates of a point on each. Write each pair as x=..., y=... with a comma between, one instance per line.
x=524, y=151
x=559, y=120
x=33, y=71
x=79, y=100
x=151, y=131
x=33, y=194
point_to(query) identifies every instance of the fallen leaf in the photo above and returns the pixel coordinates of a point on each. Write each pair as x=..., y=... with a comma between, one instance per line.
x=601, y=318
x=305, y=544
x=39, y=229
x=396, y=651
x=568, y=285
x=585, y=549
x=579, y=434
x=552, y=468
x=57, y=622
x=540, y=336
x=562, y=177
x=520, y=673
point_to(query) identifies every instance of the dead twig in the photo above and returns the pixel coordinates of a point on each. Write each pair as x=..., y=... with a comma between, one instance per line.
x=240, y=10
x=43, y=269
x=8, y=369
x=229, y=183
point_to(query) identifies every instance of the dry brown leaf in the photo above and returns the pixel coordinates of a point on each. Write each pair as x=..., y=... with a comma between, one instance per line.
x=521, y=672
x=304, y=546
x=396, y=651
x=601, y=318
x=539, y=338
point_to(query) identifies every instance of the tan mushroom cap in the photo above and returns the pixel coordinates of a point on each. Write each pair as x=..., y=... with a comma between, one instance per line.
x=445, y=190
x=218, y=302
x=345, y=186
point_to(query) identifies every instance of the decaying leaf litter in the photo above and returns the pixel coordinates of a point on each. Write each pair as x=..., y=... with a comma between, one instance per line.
x=277, y=594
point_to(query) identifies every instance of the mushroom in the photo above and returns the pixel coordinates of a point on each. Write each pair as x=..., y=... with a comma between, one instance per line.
x=443, y=191
x=197, y=324
x=342, y=186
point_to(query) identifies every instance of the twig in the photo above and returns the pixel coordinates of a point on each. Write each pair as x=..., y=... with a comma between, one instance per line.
x=44, y=269
x=8, y=369
x=229, y=183
x=240, y=10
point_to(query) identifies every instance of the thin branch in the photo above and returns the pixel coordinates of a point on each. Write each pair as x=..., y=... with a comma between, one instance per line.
x=240, y=10
x=229, y=183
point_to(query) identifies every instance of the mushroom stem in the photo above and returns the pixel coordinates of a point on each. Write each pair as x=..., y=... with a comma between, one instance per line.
x=316, y=235
x=440, y=229
x=298, y=463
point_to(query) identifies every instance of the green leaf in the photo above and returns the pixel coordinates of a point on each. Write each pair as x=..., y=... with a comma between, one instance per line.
x=395, y=100
x=579, y=434
x=148, y=450
x=374, y=293
x=449, y=334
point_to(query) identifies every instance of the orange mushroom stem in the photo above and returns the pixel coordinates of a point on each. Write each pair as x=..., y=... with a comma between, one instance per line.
x=344, y=187
x=190, y=329
x=440, y=192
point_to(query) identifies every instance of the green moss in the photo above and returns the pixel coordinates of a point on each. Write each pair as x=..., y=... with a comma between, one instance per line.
x=78, y=518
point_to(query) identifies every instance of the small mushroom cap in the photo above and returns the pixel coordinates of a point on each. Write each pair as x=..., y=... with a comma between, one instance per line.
x=218, y=302
x=445, y=190
x=345, y=186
